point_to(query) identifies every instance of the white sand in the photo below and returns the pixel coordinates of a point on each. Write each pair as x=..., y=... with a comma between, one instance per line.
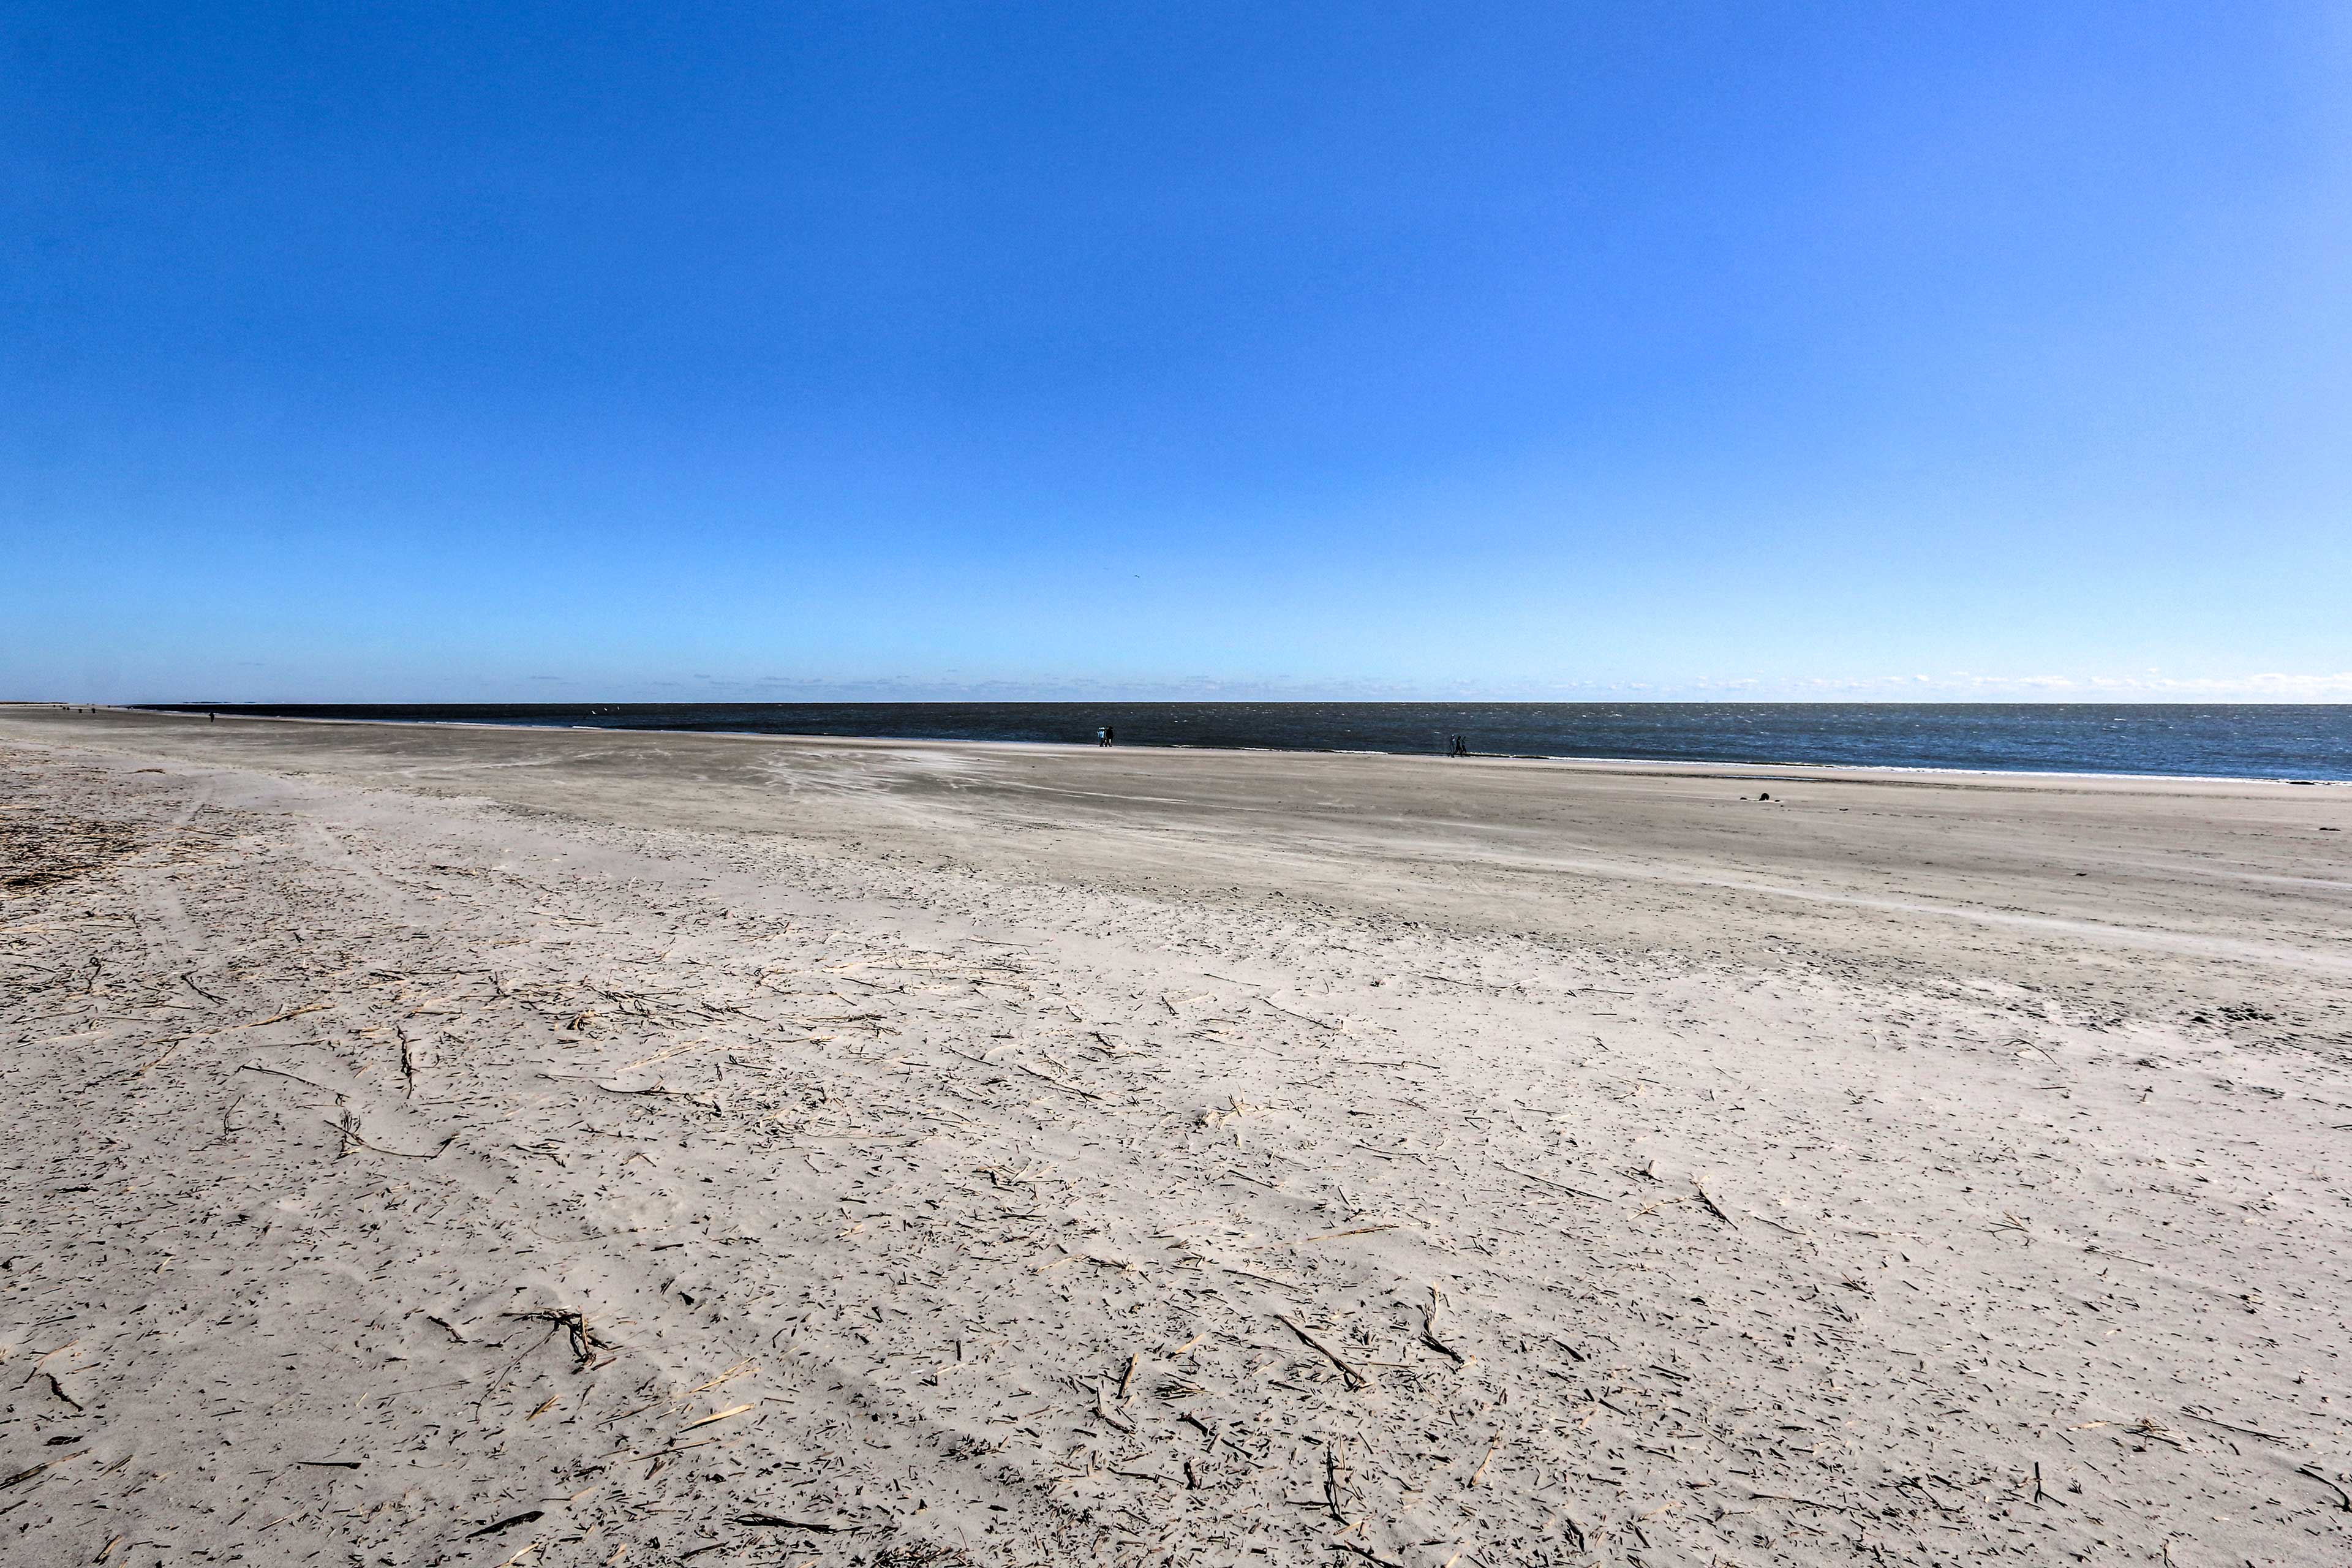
x=508, y=1147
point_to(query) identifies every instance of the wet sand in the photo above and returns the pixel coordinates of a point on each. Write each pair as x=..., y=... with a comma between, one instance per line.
x=492, y=1146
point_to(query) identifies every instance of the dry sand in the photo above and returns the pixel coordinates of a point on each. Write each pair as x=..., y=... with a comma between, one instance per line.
x=514, y=1147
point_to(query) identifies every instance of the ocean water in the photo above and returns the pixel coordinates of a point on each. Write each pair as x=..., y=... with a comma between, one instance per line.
x=2263, y=741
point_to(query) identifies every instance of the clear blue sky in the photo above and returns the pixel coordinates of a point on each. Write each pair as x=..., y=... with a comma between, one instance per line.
x=1546, y=350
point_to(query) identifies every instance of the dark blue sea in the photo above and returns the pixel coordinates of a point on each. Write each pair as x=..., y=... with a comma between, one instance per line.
x=2263, y=741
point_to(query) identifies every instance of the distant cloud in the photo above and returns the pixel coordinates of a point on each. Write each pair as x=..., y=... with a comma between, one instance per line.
x=2269, y=686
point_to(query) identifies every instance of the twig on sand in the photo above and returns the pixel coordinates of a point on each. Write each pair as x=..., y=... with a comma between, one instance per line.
x=349, y=1126
x=721, y=1416
x=494, y=1527
x=659, y=1088
x=1548, y=1182
x=1336, y=1235
x=281, y=1072
x=1057, y=1082
x=2313, y=1472
x=1110, y=1417
x=1429, y=1316
x=2150, y=1427
x=27, y=1475
x=1335, y=1482
x=1472, y=985
x=2234, y=1426
x=1493, y=1448
x=1914, y=1483
x=1713, y=1207
x=1833, y=1507
x=1302, y=1018
x=585, y=1343
x=281, y=1018
x=175, y=1043
x=1357, y=1377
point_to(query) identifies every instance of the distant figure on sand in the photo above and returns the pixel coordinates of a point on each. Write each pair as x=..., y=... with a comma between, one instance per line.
x=1102, y=735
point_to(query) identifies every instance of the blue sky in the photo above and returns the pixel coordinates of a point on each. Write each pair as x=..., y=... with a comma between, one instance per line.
x=1549, y=351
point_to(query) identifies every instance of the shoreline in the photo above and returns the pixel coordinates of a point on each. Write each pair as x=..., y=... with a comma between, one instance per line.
x=1680, y=765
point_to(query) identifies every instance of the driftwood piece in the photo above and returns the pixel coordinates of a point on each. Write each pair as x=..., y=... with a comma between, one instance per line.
x=1357, y=1377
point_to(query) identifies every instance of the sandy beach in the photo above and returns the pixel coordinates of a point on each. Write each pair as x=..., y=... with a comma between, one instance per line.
x=480, y=1146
